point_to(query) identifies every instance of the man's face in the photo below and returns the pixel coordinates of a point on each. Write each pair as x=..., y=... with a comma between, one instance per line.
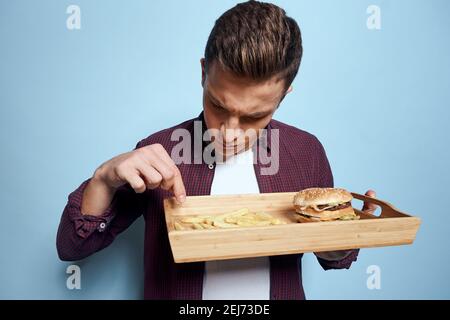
x=233, y=105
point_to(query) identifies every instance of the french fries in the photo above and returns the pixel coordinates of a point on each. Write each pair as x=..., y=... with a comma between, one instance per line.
x=239, y=218
x=178, y=226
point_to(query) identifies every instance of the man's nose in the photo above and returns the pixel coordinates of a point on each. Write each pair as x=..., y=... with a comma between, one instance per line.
x=231, y=130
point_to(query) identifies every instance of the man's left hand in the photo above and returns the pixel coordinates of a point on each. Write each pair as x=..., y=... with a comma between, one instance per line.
x=369, y=208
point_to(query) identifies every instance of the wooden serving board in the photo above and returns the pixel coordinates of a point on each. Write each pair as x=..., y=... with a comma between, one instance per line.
x=391, y=228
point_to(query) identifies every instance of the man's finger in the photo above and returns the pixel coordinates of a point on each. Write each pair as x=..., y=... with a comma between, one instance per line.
x=163, y=163
x=371, y=193
x=176, y=184
x=178, y=188
x=136, y=182
x=152, y=177
x=165, y=170
x=368, y=206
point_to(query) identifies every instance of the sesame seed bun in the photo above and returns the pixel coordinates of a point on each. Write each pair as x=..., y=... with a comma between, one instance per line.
x=321, y=196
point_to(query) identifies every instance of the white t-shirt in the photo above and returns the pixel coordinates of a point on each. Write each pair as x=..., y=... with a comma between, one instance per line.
x=239, y=279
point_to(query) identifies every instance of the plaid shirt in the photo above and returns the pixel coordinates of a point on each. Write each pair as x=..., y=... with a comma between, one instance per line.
x=302, y=164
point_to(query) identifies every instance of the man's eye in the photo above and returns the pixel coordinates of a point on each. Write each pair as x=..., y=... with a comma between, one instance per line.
x=217, y=107
x=250, y=119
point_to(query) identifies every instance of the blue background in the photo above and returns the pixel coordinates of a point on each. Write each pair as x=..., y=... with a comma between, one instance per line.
x=69, y=100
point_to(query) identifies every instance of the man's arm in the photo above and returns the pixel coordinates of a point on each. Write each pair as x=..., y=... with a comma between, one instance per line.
x=80, y=235
x=106, y=204
x=331, y=259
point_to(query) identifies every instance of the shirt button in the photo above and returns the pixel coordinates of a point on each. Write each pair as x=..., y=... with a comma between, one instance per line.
x=211, y=166
x=102, y=226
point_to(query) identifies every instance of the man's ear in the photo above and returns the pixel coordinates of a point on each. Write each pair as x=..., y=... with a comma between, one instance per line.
x=202, y=63
x=284, y=95
x=289, y=89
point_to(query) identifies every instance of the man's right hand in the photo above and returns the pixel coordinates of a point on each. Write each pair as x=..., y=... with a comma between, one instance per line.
x=148, y=167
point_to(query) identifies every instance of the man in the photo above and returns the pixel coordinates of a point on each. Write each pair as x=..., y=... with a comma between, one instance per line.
x=251, y=58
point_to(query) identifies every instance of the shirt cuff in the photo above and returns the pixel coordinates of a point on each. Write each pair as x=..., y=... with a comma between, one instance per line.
x=85, y=225
x=344, y=263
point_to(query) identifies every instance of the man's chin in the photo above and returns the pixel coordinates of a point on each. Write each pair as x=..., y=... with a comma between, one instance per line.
x=226, y=153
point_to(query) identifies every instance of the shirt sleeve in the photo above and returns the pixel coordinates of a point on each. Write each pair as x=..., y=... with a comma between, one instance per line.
x=325, y=177
x=344, y=263
x=323, y=168
x=82, y=235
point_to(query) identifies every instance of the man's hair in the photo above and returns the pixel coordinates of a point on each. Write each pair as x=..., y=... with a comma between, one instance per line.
x=257, y=40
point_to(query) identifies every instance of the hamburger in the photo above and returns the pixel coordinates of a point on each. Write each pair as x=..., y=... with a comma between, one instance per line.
x=324, y=204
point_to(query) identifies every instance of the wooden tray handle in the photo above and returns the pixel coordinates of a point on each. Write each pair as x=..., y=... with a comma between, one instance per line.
x=387, y=209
